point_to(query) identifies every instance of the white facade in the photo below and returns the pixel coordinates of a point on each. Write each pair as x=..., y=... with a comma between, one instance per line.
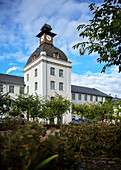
x=12, y=89
x=38, y=73
x=87, y=98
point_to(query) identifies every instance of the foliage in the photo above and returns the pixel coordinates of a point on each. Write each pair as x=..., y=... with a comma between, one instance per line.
x=103, y=33
x=4, y=102
x=27, y=146
x=94, y=110
x=30, y=103
x=55, y=108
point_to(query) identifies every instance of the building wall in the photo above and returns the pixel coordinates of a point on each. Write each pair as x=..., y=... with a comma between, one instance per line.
x=16, y=89
x=100, y=98
x=43, y=79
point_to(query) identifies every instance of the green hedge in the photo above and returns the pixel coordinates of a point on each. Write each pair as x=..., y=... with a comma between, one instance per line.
x=28, y=144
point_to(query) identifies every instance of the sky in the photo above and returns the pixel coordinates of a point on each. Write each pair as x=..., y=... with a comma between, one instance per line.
x=21, y=21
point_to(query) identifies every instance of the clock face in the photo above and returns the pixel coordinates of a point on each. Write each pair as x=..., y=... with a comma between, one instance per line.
x=42, y=37
x=48, y=37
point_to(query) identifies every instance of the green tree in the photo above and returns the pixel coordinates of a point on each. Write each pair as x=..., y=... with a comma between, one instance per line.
x=29, y=103
x=5, y=101
x=55, y=108
x=103, y=33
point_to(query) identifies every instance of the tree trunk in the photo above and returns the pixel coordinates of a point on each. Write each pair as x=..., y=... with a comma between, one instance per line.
x=20, y=113
x=28, y=113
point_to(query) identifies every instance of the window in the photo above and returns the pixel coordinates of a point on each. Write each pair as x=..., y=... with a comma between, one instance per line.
x=79, y=97
x=52, y=71
x=102, y=99
x=60, y=73
x=96, y=98
x=27, y=89
x=21, y=90
x=27, y=77
x=1, y=87
x=85, y=97
x=35, y=72
x=11, y=89
x=91, y=98
x=73, y=96
x=35, y=86
x=73, y=117
x=119, y=113
x=60, y=86
x=52, y=85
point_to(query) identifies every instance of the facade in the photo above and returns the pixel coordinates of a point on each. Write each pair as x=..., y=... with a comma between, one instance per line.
x=48, y=71
x=14, y=85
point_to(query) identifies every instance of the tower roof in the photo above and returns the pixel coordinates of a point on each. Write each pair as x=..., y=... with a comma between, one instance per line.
x=49, y=49
x=46, y=29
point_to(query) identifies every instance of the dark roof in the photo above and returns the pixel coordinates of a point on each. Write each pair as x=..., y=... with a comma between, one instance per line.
x=87, y=90
x=115, y=100
x=46, y=29
x=49, y=49
x=5, y=78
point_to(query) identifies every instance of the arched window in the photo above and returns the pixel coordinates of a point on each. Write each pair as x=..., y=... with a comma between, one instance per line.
x=60, y=73
x=52, y=71
x=52, y=85
x=35, y=72
x=35, y=86
x=60, y=86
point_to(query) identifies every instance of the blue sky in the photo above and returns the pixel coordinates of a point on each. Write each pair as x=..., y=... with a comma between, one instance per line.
x=20, y=22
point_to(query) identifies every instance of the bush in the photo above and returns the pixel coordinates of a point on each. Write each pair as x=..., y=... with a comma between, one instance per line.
x=28, y=144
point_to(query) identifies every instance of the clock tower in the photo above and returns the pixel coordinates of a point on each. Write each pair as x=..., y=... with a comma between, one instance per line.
x=46, y=35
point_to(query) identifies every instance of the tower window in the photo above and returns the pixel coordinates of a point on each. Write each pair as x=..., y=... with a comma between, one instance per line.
x=1, y=87
x=61, y=86
x=35, y=72
x=27, y=77
x=73, y=96
x=35, y=86
x=11, y=89
x=60, y=73
x=79, y=97
x=52, y=71
x=27, y=89
x=21, y=90
x=52, y=85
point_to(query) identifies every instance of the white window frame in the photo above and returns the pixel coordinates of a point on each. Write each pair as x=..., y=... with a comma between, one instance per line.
x=60, y=73
x=36, y=85
x=21, y=90
x=79, y=97
x=27, y=89
x=52, y=71
x=36, y=71
x=61, y=86
x=11, y=89
x=52, y=85
x=27, y=77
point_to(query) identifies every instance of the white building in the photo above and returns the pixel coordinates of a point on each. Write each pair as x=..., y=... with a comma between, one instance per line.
x=48, y=70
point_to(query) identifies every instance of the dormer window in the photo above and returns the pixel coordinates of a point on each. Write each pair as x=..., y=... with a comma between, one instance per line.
x=56, y=54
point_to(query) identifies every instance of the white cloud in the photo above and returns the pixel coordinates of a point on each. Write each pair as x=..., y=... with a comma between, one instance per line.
x=106, y=82
x=11, y=69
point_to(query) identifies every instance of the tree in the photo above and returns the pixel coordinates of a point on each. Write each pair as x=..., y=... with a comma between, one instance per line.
x=103, y=33
x=55, y=108
x=29, y=103
x=5, y=101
